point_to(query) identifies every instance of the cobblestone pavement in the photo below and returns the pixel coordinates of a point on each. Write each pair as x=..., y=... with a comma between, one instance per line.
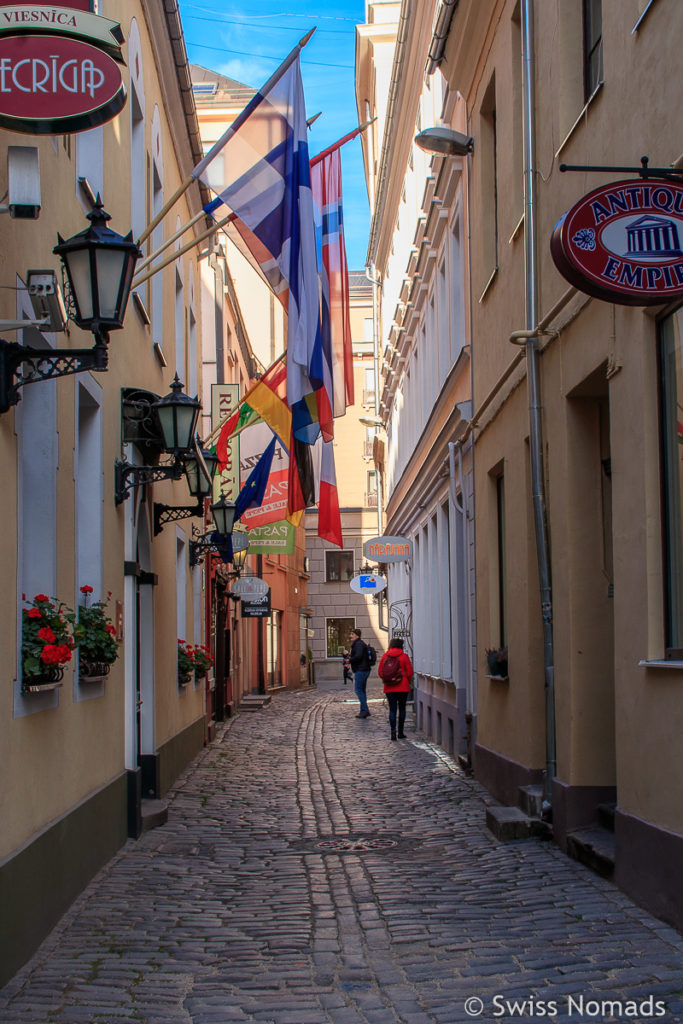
x=313, y=872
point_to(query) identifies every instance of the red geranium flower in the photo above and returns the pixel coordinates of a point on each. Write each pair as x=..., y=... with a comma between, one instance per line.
x=111, y=629
x=42, y=597
x=33, y=613
x=86, y=589
x=46, y=634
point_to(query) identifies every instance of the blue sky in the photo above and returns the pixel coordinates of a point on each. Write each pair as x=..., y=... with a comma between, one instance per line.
x=247, y=41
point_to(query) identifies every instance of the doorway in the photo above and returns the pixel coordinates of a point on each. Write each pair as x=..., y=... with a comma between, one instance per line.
x=590, y=757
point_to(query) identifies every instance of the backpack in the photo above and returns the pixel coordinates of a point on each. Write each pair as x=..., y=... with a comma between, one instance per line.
x=372, y=655
x=390, y=671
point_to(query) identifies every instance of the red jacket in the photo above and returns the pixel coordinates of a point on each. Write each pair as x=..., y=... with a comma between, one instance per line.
x=406, y=667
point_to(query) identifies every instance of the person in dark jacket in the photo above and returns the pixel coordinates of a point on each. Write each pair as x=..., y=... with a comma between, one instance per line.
x=397, y=692
x=360, y=666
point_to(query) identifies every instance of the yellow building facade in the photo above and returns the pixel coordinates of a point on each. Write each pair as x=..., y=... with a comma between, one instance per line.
x=80, y=759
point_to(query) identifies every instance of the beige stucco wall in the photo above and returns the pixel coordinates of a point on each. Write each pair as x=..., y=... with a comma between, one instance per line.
x=57, y=757
x=617, y=721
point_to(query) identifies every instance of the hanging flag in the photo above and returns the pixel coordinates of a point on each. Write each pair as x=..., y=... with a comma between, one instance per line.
x=264, y=400
x=255, y=488
x=301, y=482
x=273, y=507
x=326, y=182
x=326, y=495
x=262, y=173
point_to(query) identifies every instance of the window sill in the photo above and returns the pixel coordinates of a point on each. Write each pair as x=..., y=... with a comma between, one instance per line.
x=661, y=663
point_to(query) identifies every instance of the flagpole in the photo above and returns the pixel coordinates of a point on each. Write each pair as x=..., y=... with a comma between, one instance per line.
x=183, y=249
x=336, y=145
x=253, y=103
x=179, y=234
x=239, y=120
x=216, y=431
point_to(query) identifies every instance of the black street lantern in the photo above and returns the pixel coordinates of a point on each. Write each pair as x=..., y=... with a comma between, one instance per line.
x=178, y=415
x=223, y=512
x=200, y=466
x=100, y=265
x=200, y=485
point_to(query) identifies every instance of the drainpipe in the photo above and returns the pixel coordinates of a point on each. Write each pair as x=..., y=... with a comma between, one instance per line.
x=535, y=402
x=461, y=507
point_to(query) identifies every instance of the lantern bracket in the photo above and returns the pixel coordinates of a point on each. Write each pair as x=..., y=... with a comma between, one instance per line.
x=164, y=514
x=127, y=476
x=21, y=365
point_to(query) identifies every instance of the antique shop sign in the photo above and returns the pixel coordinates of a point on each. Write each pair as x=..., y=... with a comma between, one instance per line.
x=622, y=242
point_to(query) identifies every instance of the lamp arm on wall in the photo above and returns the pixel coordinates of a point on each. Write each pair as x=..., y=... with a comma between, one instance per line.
x=20, y=365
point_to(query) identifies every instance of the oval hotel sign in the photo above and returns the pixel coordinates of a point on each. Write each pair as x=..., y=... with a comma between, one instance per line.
x=51, y=85
x=623, y=242
x=388, y=549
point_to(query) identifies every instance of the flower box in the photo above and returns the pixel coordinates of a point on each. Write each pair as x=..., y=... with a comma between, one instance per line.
x=49, y=679
x=93, y=671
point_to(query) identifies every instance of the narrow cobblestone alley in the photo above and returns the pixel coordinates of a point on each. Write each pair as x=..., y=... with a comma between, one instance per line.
x=312, y=871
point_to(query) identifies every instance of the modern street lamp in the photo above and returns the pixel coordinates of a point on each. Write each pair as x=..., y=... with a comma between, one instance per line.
x=445, y=141
x=99, y=265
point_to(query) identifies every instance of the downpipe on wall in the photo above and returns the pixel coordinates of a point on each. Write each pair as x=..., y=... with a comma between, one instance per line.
x=535, y=402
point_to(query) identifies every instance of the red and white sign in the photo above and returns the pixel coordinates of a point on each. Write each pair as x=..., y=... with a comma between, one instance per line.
x=623, y=242
x=51, y=85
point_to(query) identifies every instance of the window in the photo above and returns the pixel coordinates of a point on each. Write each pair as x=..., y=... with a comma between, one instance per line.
x=592, y=46
x=500, y=526
x=671, y=369
x=337, y=631
x=371, y=494
x=338, y=566
x=489, y=185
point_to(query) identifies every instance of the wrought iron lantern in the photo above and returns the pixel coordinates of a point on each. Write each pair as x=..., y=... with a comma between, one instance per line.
x=223, y=512
x=177, y=415
x=99, y=264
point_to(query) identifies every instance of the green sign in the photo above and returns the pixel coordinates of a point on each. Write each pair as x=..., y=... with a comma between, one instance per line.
x=273, y=538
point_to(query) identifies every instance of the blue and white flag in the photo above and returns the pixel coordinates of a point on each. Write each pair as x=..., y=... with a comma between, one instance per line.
x=260, y=170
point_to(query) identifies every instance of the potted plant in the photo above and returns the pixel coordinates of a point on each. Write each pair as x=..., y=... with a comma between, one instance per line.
x=203, y=660
x=186, y=662
x=497, y=662
x=96, y=638
x=46, y=643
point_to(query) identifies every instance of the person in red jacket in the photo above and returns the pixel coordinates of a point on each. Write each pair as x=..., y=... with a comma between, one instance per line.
x=395, y=670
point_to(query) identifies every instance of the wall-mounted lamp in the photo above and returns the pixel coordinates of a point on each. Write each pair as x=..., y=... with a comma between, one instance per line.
x=223, y=512
x=445, y=142
x=200, y=469
x=99, y=265
x=177, y=415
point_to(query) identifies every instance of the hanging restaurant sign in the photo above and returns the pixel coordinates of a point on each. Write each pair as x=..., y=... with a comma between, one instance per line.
x=53, y=85
x=46, y=20
x=622, y=242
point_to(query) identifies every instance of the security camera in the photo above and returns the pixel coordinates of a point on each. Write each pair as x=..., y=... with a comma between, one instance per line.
x=445, y=141
x=23, y=174
x=46, y=298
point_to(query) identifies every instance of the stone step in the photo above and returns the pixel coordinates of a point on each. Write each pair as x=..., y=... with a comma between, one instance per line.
x=593, y=847
x=530, y=800
x=507, y=823
x=606, y=816
x=254, y=701
x=154, y=813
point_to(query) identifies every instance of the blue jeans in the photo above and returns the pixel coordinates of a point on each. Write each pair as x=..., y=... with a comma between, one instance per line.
x=360, y=680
